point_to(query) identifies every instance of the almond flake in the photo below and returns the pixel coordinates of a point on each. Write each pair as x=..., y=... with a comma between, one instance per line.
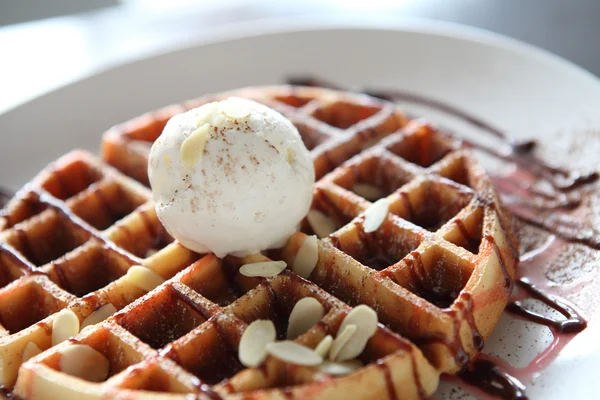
x=65, y=325
x=320, y=223
x=253, y=343
x=307, y=257
x=307, y=312
x=365, y=319
x=235, y=107
x=367, y=191
x=206, y=113
x=84, y=362
x=324, y=346
x=340, y=368
x=344, y=335
x=193, y=146
x=294, y=353
x=375, y=215
x=99, y=315
x=31, y=350
x=290, y=156
x=263, y=269
x=143, y=278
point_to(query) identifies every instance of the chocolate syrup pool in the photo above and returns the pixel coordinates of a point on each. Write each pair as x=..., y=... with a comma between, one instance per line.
x=553, y=200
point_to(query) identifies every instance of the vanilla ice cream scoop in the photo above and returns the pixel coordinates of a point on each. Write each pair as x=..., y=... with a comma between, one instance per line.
x=231, y=177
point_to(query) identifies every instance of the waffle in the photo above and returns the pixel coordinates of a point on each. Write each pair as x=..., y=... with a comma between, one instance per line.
x=438, y=271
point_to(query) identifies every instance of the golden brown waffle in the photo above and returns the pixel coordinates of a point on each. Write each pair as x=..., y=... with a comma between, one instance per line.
x=438, y=271
x=66, y=241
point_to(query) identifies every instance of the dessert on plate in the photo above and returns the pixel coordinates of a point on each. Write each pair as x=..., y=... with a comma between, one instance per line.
x=296, y=242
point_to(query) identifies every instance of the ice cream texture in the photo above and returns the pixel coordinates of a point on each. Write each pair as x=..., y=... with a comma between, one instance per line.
x=231, y=177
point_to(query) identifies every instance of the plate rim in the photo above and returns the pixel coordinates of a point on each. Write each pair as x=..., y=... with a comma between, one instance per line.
x=285, y=25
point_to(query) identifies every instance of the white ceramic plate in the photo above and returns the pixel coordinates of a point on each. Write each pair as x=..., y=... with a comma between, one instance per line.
x=518, y=88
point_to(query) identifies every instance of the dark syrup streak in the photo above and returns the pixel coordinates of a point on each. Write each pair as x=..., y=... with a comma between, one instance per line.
x=574, y=322
x=389, y=383
x=6, y=393
x=490, y=378
x=472, y=242
x=552, y=209
x=561, y=181
x=528, y=202
x=401, y=344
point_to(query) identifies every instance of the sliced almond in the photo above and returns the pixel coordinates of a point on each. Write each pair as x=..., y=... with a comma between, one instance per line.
x=365, y=319
x=65, y=325
x=235, y=107
x=143, y=278
x=294, y=353
x=306, y=312
x=375, y=215
x=320, y=223
x=307, y=257
x=253, y=343
x=367, y=191
x=343, y=336
x=30, y=350
x=324, y=346
x=84, y=362
x=290, y=156
x=99, y=315
x=340, y=368
x=193, y=146
x=263, y=269
x=206, y=113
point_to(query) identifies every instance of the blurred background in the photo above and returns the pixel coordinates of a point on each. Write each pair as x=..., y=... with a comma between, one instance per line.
x=46, y=43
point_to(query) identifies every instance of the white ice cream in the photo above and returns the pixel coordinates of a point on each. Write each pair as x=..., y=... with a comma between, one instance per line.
x=231, y=177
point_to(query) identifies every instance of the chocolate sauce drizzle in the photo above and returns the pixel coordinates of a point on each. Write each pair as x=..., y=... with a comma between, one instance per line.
x=573, y=323
x=472, y=242
x=549, y=209
x=487, y=376
x=564, y=183
x=399, y=343
x=6, y=393
x=389, y=383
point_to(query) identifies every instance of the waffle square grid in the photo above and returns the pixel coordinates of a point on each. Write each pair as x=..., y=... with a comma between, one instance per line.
x=438, y=271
